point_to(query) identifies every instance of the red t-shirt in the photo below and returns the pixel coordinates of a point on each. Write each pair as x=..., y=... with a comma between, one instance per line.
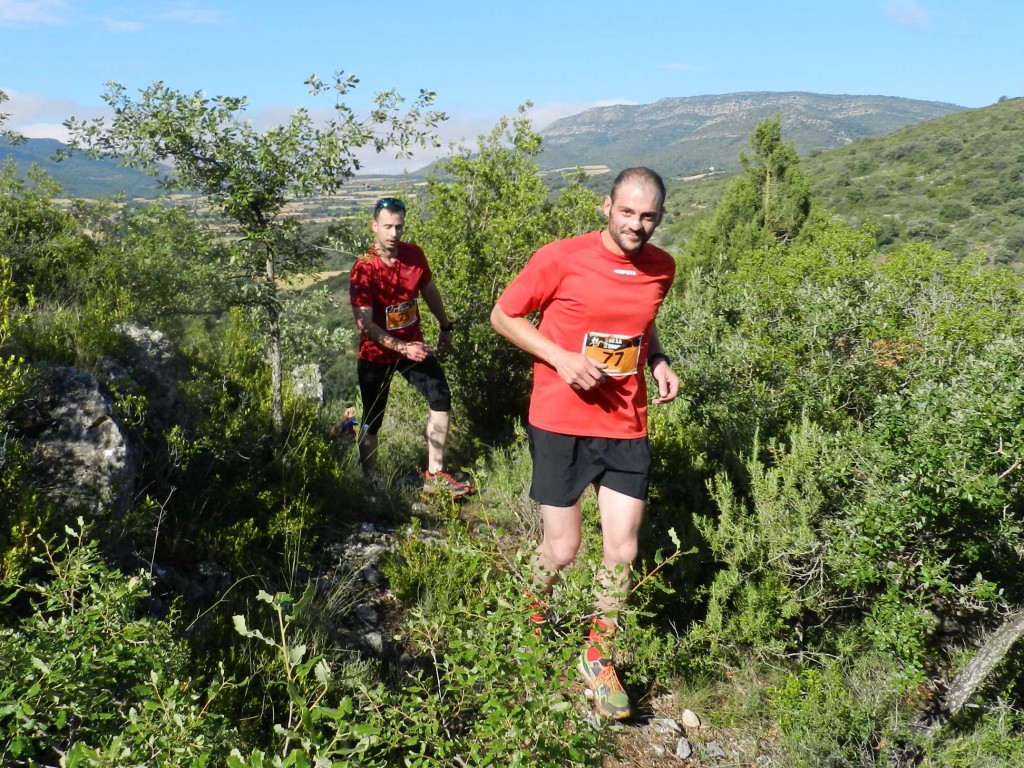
x=391, y=292
x=602, y=304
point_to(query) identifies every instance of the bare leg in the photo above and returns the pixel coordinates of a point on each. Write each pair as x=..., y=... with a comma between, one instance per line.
x=563, y=528
x=437, y=436
x=621, y=516
x=368, y=453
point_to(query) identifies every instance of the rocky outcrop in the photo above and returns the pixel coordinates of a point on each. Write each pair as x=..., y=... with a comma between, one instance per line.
x=148, y=365
x=308, y=382
x=83, y=460
x=84, y=457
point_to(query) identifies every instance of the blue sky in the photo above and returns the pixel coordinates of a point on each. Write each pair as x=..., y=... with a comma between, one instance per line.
x=484, y=59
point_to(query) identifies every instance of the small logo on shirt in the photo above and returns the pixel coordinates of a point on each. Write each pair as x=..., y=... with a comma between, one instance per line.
x=626, y=272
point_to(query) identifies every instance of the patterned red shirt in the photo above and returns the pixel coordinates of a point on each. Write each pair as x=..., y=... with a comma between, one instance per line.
x=392, y=293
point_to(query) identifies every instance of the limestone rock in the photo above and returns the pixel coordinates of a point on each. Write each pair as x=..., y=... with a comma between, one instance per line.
x=82, y=457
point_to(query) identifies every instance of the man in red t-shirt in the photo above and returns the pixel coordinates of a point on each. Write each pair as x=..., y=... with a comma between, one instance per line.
x=598, y=296
x=385, y=286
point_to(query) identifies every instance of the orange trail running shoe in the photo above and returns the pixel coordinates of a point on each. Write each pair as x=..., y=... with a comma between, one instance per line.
x=538, y=611
x=442, y=482
x=610, y=699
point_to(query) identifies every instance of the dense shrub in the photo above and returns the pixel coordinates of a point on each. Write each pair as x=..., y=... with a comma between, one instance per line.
x=878, y=406
x=90, y=677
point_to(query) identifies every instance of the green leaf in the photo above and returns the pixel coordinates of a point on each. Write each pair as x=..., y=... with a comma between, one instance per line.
x=296, y=653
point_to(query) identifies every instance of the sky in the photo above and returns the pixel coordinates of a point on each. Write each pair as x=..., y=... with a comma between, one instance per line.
x=485, y=59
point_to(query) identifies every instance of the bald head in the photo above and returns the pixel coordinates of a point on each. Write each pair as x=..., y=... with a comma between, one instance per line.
x=641, y=177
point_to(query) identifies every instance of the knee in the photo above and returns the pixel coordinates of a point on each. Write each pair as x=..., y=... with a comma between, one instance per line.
x=620, y=552
x=560, y=551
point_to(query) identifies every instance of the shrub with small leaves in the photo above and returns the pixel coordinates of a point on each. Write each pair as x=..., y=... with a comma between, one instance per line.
x=87, y=675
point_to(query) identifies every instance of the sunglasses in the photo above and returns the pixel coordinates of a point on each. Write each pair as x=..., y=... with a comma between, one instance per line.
x=391, y=203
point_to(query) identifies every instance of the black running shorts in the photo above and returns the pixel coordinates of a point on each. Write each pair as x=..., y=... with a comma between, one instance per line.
x=427, y=377
x=564, y=465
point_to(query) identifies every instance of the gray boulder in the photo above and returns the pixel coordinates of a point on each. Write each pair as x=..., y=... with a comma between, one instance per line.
x=83, y=459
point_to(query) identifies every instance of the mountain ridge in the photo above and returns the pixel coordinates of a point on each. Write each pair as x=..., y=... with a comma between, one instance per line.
x=680, y=136
x=79, y=175
x=691, y=134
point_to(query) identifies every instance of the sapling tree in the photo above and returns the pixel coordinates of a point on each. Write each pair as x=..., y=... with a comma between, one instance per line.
x=248, y=176
x=767, y=204
x=12, y=136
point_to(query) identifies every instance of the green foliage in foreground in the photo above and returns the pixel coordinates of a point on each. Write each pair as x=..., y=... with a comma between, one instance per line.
x=866, y=418
x=90, y=680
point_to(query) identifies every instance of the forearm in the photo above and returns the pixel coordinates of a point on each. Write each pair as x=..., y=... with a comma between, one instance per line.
x=382, y=338
x=524, y=334
x=432, y=298
x=370, y=330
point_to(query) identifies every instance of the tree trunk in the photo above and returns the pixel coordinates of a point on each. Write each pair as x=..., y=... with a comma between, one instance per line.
x=276, y=364
x=974, y=674
x=961, y=688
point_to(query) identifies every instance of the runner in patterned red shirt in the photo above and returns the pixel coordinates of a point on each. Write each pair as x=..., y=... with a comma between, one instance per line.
x=598, y=296
x=385, y=287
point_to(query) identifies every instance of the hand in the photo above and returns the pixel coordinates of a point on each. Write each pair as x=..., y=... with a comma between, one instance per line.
x=579, y=371
x=668, y=382
x=444, y=341
x=416, y=351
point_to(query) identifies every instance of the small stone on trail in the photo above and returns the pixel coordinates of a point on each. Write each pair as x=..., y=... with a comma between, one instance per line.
x=690, y=719
x=683, y=748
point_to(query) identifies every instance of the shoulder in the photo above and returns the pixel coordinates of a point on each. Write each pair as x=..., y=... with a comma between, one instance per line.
x=361, y=266
x=367, y=259
x=659, y=258
x=561, y=249
x=411, y=252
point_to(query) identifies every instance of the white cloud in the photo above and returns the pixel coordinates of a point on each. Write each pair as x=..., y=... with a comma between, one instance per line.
x=21, y=13
x=545, y=114
x=907, y=12
x=198, y=16
x=42, y=131
x=679, y=66
x=122, y=26
x=36, y=117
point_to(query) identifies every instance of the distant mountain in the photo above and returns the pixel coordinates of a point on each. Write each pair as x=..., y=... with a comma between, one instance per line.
x=688, y=136
x=676, y=136
x=956, y=181
x=79, y=175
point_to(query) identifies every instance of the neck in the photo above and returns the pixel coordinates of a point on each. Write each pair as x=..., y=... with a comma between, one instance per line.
x=386, y=254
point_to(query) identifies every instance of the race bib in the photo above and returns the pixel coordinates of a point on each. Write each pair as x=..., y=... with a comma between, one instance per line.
x=619, y=354
x=402, y=315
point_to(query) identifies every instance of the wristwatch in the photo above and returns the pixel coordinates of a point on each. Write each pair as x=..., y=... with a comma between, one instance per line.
x=653, y=358
x=447, y=328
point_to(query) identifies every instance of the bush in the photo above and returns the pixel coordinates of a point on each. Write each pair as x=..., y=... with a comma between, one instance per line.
x=481, y=693
x=831, y=716
x=862, y=421
x=88, y=675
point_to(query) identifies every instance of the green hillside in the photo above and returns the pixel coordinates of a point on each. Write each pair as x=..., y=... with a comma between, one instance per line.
x=80, y=176
x=955, y=181
x=692, y=135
